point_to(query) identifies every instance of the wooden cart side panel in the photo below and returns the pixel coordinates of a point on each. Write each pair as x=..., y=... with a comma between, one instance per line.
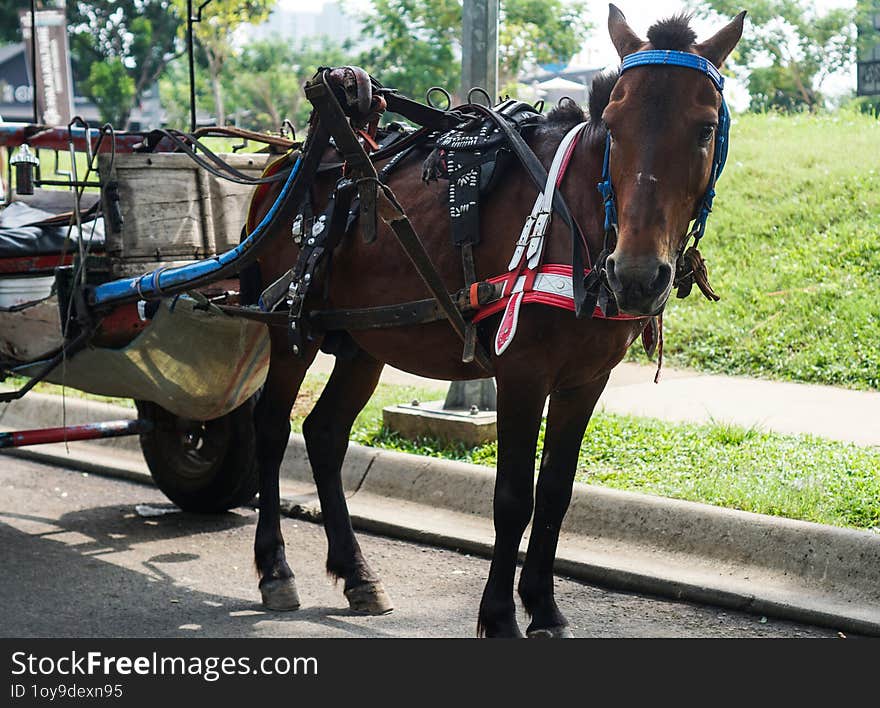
x=172, y=209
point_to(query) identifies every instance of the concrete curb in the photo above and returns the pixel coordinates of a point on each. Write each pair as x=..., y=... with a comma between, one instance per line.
x=777, y=567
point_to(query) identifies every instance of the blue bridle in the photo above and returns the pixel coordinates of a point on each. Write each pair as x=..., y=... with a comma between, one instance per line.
x=665, y=57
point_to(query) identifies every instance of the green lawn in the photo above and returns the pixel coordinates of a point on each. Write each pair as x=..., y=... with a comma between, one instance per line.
x=793, y=248
x=799, y=477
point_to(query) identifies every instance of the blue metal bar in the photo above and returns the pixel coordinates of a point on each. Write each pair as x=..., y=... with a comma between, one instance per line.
x=154, y=283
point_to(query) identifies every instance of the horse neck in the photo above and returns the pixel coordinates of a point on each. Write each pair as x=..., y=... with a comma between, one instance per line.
x=579, y=188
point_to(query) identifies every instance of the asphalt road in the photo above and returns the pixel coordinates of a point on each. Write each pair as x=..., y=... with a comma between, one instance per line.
x=86, y=556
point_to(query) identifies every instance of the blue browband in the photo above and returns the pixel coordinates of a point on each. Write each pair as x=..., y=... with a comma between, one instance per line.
x=665, y=57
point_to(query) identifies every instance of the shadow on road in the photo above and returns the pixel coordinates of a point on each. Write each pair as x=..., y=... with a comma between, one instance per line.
x=92, y=572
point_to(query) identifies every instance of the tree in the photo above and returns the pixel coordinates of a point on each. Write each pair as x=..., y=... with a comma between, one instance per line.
x=417, y=39
x=215, y=32
x=139, y=36
x=414, y=47
x=538, y=32
x=10, y=27
x=790, y=49
x=264, y=82
x=112, y=90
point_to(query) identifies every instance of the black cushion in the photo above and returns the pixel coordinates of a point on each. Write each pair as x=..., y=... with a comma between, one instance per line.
x=23, y=232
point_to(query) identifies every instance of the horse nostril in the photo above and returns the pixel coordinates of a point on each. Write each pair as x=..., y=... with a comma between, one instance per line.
x=661, y=280
x=610, y=273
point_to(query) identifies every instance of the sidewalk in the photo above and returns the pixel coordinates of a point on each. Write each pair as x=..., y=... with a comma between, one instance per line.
x=690, y=396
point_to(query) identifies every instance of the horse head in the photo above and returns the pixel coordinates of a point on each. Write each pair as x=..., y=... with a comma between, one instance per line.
x=662, y=121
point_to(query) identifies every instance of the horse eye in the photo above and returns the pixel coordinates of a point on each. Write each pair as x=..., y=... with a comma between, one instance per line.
x=706, y=133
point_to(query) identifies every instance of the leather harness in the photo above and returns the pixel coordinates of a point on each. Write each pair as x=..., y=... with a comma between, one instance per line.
x=361, y=193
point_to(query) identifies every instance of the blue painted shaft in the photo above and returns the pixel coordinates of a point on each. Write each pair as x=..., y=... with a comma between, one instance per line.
x=156, y=282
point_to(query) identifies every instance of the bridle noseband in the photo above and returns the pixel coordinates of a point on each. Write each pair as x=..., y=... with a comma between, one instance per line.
x=666, y=57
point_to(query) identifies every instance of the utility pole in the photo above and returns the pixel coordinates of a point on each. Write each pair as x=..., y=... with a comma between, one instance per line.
x=479, y=68
x=479, y=47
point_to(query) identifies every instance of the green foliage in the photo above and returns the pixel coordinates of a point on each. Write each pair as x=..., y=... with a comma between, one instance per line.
x=792, y=248
x=539, y=32
x=141, y=35
x=773, y=88
x=263, y=83
x=417, y=40
x=801, y=44
x=10, y=27
x=112, y=90
x=214, y=35
x=174, y=92
x=869, y=105
x=414, y=48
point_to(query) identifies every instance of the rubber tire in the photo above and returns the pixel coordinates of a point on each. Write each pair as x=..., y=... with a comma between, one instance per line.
x=206, y=467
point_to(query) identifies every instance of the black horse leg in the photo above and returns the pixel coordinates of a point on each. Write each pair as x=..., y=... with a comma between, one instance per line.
x=272, y=424
x=326, y=430
x=567, y=419
x=520, y=408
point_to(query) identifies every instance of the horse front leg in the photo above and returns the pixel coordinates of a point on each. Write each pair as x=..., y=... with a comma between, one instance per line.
x=326, y=431
x=520, y=409
x=569, y=413
x=272, y=425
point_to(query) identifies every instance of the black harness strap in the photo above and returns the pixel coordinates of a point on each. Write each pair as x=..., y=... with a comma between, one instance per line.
x=330, y=112
x=419, y=113
x=396, y=218
x=406, y=313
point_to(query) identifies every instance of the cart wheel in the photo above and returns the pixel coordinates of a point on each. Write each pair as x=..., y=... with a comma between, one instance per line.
x=202, y=466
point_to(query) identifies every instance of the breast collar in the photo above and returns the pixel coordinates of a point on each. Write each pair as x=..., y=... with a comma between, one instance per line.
x=528, y=280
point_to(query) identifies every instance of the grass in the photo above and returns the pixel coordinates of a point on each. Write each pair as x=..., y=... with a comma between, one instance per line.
x=798, y=477
x=793, y=248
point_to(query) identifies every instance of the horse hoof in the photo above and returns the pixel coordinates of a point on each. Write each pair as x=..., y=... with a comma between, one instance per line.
x=369, y=599
x=280, y=595
x=560, y=632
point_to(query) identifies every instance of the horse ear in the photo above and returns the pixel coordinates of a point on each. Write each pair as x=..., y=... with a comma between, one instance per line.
x=721, y=44
x=624, y=39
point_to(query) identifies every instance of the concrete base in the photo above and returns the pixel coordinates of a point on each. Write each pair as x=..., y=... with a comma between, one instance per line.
x=429, y=420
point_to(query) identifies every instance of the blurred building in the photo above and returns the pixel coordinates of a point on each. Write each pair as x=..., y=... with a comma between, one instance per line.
x=16, y=95
x=330, y=21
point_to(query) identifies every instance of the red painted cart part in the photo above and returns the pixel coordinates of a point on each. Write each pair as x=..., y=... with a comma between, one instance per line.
x=32, y=264
x=57, y=138
x=90, y=431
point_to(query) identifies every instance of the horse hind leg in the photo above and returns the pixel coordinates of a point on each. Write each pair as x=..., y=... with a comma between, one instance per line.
x=326, y=431
x=567, y=419
x=272, y=425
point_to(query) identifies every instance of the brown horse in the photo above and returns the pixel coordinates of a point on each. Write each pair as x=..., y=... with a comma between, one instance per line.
x=661, y=119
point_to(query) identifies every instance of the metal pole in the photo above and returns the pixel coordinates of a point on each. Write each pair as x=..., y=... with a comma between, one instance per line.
x=192, y=66
x=479, y=46
x=34, y=59
x=89, y=431
x=479, y=68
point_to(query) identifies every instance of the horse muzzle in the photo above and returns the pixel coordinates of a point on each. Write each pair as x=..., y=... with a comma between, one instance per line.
x=641, y=284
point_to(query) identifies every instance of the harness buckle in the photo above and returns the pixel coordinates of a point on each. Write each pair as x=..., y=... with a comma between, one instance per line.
x=541, y=224
x=527, y=231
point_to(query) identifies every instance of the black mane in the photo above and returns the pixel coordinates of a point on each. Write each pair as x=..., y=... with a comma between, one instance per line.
x=600, y=94
x=673, y=33
x=567, y=114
